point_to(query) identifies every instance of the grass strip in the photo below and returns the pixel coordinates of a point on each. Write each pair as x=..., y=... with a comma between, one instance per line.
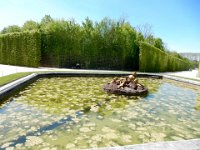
x=12, y=77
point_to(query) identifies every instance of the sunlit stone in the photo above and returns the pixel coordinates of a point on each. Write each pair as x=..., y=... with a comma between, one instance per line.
x=10, y=148
x=132, y=126
x=93, y=145
x=84, y=129
x=158, y=136
x=111, y=143
x=141, y=129
x=18, y=145
x=100, y=117
x=45, y=148
x=126, y=138
x=6, y=145
x=110, y=136
x=177, y=138
x=70, y=145
x=107, y=129
x=94, y=108
x=139, y=123
x=91, y=124
x=116, y=120
x=33, y=140
x=97, y=137
x=125, y=118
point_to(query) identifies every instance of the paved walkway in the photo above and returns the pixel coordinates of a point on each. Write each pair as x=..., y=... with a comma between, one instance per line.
x=8, y=69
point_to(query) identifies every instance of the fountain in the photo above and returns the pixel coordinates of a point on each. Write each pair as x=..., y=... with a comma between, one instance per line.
x=128, y=85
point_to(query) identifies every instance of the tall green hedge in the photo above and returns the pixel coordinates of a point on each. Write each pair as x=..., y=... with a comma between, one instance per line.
x=21, y=49
x=153, y=59
x=104, y=45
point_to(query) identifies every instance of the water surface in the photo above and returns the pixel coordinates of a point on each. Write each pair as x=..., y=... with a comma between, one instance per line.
x=75, y=113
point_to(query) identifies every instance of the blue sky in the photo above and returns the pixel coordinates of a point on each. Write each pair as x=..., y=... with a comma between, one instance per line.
x=177, y=22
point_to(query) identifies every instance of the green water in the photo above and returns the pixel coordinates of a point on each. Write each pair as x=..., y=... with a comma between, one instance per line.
x=75, y=113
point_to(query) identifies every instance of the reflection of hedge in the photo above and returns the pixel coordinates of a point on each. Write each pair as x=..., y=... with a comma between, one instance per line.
x=22, y=49
x=154, y=60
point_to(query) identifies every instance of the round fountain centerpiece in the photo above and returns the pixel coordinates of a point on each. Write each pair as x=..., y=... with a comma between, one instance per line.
x=128, y=85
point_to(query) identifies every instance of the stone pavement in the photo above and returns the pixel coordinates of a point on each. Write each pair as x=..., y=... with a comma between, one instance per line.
x=8, y=69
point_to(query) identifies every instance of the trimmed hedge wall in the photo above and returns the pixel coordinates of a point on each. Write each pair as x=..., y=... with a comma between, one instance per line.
x=108, y=46
x=61, y=50
x=153, y=59
x=21, y=49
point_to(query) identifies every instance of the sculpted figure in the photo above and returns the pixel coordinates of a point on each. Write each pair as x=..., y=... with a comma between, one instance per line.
x=128, y=85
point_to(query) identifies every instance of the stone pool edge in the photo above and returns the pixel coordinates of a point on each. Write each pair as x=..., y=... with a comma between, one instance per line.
x=10, y=88
x=194, y=82
x=192, y=144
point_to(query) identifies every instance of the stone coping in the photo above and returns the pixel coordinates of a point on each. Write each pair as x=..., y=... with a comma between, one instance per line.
x=195, y=82
x=193, y=144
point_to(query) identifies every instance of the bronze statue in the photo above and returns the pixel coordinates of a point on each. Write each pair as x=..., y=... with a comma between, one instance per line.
x=128, y=85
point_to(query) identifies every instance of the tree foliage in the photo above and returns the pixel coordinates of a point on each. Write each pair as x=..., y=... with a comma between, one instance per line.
x=11, y=29
x=107, y=44
x=30, y=25
x=145, y=30
x=158, y=43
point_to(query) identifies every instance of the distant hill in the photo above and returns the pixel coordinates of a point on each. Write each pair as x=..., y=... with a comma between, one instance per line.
x=191, y=56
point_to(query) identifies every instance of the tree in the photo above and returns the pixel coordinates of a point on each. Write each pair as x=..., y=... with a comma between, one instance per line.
x=150, y=40
x=30, y=25
x=88, y=44
x=11, y=29
x=145, y=29
x=45, y=21
x=159, y=44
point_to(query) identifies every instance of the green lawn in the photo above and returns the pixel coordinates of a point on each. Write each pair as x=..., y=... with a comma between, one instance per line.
x=12, y=77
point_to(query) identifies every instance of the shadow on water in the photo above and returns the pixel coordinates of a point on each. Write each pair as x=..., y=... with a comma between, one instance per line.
x=66, y=120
